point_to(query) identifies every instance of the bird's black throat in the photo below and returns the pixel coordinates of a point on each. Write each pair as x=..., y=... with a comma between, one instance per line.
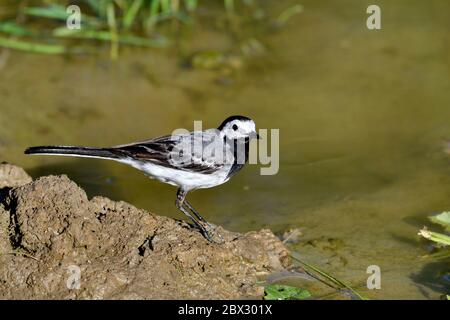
x=238, y=165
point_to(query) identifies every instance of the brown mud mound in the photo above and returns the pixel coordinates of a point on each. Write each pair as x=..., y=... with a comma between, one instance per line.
x=56, y=243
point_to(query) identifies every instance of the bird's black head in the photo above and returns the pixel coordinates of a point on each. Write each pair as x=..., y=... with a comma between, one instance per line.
x=237, y=127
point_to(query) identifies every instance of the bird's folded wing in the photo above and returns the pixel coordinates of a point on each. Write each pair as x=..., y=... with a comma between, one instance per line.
x=165, y=151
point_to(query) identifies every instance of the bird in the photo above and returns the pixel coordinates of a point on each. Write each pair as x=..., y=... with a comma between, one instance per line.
x=187, y=160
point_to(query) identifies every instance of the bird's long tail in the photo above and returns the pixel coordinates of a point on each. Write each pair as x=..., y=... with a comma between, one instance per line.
x=105, y=153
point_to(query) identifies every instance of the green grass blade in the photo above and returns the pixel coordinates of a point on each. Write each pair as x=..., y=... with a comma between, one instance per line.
x=106, y=36
x=31, y=46
x=153, y=16
x=131, y=13
x=58, y=12
x=111, y=17
x=289, y=13
x=435, y=236
x=438, y=255
x=443, y=219
x=53, y=12
x=335, y=281
x=154, y=7
x=12, y=28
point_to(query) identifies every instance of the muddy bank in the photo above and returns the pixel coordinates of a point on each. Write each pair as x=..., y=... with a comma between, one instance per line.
x=50, y=232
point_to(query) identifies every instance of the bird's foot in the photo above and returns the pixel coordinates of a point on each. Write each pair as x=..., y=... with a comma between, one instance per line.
x=211, y=234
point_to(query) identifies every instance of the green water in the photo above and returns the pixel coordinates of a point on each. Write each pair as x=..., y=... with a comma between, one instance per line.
x=362, y=115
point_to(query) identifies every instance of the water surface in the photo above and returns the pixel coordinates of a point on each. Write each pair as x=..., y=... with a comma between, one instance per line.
x=362, y=116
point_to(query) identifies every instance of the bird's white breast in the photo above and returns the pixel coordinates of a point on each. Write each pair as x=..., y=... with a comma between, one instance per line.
x=186, y=179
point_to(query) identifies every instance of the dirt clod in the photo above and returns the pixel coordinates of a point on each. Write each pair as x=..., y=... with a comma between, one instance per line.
x=12, y=176
x=56, y=243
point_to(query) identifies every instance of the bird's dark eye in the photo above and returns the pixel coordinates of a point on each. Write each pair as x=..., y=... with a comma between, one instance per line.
x=235, y=127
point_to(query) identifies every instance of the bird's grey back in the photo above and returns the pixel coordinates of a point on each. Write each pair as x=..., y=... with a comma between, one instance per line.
x=199, y=151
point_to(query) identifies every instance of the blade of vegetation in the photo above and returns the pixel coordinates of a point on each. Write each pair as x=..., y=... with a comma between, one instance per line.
x=104, y=20
x=111, y=15
x=289, y=13
x=106, y=36
x=435, y=236
x=58, y=12
x=31, y=46
x=53, y=12
x=131, y=13
x=14, y=29
x=336, y=283
x=153, y=16
x=442, y=219
x=438, y=255
x=288, y=275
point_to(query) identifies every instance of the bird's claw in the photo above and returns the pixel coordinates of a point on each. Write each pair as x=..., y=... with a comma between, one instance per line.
x=211, y=234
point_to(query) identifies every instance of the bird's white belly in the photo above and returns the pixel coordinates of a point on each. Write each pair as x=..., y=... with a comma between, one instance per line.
x=187, y=180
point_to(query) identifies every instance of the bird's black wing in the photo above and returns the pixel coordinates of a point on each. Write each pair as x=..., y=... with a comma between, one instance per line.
x=152, y=150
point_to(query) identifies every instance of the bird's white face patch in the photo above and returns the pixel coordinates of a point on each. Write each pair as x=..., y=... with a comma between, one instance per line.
x=238, y=129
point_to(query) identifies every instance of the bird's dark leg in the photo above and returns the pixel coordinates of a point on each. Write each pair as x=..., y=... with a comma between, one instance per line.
x=206, y=225
x=197, y=215
x=181, y=195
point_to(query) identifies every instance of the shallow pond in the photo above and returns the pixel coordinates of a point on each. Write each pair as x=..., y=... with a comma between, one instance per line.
x=362, y=117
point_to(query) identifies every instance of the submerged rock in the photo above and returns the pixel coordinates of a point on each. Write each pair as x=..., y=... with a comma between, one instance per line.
x=55, y=243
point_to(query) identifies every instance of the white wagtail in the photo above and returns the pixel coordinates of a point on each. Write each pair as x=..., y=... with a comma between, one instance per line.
x=192, y=160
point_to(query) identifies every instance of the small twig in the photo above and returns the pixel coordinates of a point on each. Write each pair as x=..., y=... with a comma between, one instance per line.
x=22, y=254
